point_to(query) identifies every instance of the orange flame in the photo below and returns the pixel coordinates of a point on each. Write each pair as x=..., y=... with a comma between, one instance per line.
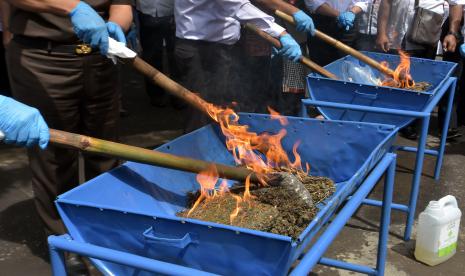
x=401, y=77
x=276, y=116
x=236, y=211
x=207, y=180
x=262, y=153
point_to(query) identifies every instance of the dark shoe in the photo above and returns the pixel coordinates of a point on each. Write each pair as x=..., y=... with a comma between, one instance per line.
x=453, y=133
x=75, y=266
x=409, y=132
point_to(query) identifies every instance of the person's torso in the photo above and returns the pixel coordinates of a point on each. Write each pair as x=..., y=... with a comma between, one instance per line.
x=340, y=5
x=208, y=20
x=401, y=19
x=368, y=21
x=49, y=26
x=156, y=8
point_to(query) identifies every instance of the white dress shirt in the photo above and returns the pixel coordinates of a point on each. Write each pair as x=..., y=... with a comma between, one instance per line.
x=156, y=8
x=339, y=5
x=401, y=18
x=368, y=22
x=219, y=20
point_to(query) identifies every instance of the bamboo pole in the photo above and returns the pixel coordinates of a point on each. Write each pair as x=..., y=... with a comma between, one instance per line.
x=305, y=61
x=167, y=84
x=343, y=47
x=141, y=155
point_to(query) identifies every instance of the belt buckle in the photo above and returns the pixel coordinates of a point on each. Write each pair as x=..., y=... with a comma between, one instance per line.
x=83, y=49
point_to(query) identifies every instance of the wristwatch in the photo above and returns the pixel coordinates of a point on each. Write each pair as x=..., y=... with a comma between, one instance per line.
x=457, y=35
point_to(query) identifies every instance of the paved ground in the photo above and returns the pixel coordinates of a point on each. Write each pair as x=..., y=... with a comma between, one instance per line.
x=22, y=251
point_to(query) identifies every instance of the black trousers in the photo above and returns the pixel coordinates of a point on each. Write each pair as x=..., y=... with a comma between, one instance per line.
x=204, y=68
x=322, y=53
x=365, y=42
x=458, y=110
x=155, y=32
x=76, y=94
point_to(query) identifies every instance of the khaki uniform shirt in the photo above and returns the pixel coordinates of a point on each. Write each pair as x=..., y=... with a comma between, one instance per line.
x=54, y=27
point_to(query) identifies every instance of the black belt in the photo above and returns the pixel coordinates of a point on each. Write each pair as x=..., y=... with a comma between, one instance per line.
x=80, y=49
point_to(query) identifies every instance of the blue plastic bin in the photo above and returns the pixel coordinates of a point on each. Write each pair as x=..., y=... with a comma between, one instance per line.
x=324, y=89
x=132, y=208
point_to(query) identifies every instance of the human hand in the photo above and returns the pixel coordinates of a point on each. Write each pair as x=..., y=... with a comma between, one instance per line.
x=382, y=42
x=289, y=48
x=449, y=43
x=115, y=32
x=90, y=27
x=304, y=23
x=346, y=20
x=21, y=124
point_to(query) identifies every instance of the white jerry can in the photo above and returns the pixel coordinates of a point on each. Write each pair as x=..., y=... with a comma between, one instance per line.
x=438, y=231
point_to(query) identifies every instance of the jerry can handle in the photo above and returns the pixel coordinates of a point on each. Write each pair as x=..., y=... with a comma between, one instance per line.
x=152, y=237
x=448, y=200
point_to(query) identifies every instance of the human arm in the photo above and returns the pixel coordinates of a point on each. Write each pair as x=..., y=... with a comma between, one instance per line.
x=119, y=21
x=22, y=125
x=121, y=15
x=248, y=13
x=5, y=11
x=346, y=19
x=304, y=23
x=382, y=40
x=455, y=17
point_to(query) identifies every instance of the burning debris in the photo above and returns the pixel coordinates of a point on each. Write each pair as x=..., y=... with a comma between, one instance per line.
x=401, y=78
x=281, y=203
x=271, y=209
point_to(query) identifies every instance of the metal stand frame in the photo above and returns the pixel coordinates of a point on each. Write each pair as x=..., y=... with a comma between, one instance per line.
x=424, y=117
x=59, y=244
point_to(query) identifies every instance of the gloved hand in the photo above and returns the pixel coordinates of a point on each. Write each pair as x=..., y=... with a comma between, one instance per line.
x=115, y=32
x=345, y=20
x=304, y=23
x=22, y=125
x=462, y=50
x=90, y=27
x=289, y=48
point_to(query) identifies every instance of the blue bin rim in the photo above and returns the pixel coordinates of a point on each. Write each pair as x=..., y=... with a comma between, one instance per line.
x=428, y=92
x=303, y=236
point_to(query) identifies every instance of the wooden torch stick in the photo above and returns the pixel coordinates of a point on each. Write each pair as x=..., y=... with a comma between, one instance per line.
x=141, y=155
x=343, y=47
x=305, y=61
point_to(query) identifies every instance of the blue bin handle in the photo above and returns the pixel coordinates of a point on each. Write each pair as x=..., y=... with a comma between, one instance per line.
x=366, y=95
x=189, y=238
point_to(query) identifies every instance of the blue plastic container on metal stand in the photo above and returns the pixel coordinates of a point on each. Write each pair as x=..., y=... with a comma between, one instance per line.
x=132, y=209
x=344, y=100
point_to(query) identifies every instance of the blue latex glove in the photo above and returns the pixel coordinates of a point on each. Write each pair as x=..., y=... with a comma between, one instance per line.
x=304, y=23
x=115, y=32
x=345, y=20
x=462, y=50
x=90, y=27
x=22, y=125
x=289, y=48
